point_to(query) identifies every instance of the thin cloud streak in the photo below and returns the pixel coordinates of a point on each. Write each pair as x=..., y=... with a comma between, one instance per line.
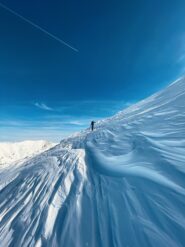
x=43, y=106
x=38, y=27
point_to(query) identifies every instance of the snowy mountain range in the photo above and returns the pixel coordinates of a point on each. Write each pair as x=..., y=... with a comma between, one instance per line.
x=14, y=152
x=122, y=185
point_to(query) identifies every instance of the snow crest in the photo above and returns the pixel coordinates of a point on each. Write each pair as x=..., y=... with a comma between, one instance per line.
x=120, y=185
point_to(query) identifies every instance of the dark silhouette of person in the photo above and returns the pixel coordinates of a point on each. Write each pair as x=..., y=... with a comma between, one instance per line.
x=92, y=125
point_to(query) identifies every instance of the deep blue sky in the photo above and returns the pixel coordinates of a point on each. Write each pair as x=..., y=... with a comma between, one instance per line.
x=127, y=50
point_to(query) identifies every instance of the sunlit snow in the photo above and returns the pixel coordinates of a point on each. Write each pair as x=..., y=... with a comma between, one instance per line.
x=122, y=185
x=13, y=152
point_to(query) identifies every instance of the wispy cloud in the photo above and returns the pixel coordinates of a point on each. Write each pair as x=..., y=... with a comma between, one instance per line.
x=43, y=106
x=180, y=52
x=181, y=58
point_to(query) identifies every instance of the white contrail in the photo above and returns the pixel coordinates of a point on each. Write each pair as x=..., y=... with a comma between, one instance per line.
x=38, y=27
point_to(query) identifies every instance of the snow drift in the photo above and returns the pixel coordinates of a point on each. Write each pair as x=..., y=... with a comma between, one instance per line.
x=121, y=185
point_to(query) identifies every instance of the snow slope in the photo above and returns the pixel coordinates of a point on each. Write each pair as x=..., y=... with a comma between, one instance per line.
x=12, y=152
x=122, y=185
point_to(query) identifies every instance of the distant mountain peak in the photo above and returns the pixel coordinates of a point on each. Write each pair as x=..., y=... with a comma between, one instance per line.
x=12, y=152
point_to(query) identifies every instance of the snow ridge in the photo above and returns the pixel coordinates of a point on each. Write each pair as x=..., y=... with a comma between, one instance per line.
x=121, y=185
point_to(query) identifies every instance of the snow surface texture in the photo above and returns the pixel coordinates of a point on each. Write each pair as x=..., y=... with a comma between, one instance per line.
x=13, y=152
x=122, y=185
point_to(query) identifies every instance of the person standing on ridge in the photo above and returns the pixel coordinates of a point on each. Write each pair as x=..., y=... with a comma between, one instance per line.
x=92, y=125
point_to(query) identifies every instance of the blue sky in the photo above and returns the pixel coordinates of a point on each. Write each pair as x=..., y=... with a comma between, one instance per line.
x=126, y=51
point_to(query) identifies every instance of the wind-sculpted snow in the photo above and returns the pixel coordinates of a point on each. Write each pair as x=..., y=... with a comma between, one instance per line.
x=122, y=185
